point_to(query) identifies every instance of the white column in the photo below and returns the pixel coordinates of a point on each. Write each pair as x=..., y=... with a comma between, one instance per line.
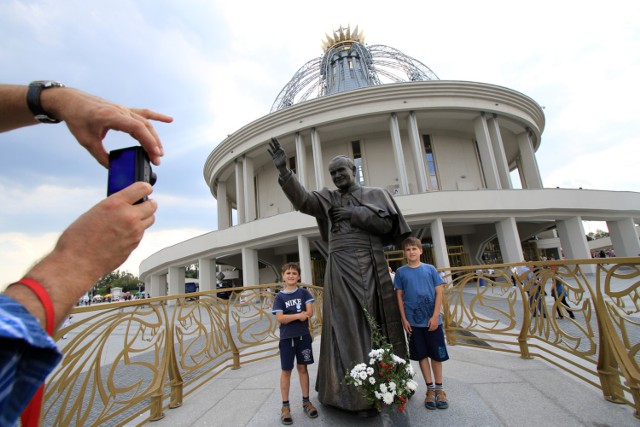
x=304, y=253
x=224, y=219
x=396, y=142
x=487, y=161
x=509, y=240
x=239, y=193
x=176, y=282
x=624, y=237
x=158, y=286
x=417, y=153
x=530, y=170
x=250, y=274
x=318, y=164
x=498, y=152
x=301, y=160
x=207, y=274
x=249, y=189
x=574, y=241
x=439, y=244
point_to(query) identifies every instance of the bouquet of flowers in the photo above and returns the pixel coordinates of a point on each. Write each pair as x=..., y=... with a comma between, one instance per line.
x=387, y=378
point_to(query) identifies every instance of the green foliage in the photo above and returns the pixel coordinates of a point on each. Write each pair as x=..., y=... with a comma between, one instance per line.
x=191, y=271
x=117, y=279
x=597, y=235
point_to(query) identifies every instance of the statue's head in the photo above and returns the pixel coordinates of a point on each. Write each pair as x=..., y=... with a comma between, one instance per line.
x=343, y=172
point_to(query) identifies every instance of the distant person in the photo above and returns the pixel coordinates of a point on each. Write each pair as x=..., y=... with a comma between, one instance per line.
x=419, y=290
x=98, y=242
x=293, y=306
x=559, y=293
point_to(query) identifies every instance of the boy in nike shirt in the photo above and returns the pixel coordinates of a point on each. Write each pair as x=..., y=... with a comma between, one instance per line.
x=293, y=306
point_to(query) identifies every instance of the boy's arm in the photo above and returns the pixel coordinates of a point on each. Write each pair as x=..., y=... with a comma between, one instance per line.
x=309, y=309
x=433, y=322
x=288, y=318
x=405, y=322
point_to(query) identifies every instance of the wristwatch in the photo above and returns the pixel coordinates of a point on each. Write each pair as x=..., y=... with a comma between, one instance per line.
x=33, y=99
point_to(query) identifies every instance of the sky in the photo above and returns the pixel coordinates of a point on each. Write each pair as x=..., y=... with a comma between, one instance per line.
x=217, y=65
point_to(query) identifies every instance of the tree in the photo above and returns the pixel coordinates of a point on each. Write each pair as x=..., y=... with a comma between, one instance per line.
x=191, y=271
x=117, y=279
x=599, y=234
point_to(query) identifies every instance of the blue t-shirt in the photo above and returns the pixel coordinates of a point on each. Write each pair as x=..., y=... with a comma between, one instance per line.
x=419, y=292
x=27, y=356
x=292, y=303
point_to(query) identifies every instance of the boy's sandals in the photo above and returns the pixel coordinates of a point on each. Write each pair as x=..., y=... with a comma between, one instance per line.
x=285, y=416
x=310, y=410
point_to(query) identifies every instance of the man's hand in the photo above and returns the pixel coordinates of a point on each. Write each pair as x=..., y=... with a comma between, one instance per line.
x=89, y=118
x=279, y=156
x=97, y=243
x=103, y=237
x=340, y=214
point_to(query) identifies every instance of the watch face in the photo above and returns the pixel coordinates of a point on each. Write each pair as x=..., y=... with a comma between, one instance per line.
x=45, y=84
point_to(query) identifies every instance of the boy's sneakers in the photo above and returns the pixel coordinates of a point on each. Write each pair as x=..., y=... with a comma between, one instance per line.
x=285, y=416
x=310, y=410
x=430, y=400
x=441, y=400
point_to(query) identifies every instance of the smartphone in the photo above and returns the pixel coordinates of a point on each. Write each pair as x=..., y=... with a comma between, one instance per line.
x=126, y=166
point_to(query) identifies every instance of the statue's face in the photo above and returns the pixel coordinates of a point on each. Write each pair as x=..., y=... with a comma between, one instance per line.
x=342, y=173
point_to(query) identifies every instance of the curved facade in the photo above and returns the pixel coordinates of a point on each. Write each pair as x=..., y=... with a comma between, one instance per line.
x=445, y=149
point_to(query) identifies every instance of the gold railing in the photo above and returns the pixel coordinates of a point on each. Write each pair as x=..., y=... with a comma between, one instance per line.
x=597, y=339
x=125, y=363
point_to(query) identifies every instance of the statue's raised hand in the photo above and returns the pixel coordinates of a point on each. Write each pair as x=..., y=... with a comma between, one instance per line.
x=278, y=155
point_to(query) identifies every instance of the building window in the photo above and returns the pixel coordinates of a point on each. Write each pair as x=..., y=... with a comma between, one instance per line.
x=430, y=163
x=357, y=159
x=292, y=164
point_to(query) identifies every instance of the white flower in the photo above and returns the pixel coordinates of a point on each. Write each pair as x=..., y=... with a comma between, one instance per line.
x=383, y=388
x=412, y=385
x=392, y=386
x=372, y=380
x=358, y=382
x=387, y=398
x=363, y=375
x=410, y=370
x=378, y=395
x=370, y=370
x=398, y=359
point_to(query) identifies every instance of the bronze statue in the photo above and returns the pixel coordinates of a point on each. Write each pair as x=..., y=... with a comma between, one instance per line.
x=357, y=222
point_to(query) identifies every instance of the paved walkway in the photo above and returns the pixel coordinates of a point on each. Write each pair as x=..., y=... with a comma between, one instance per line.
x=485, y=388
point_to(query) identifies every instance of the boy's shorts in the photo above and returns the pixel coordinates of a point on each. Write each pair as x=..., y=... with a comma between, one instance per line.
x=298, y=348
x=424, y=343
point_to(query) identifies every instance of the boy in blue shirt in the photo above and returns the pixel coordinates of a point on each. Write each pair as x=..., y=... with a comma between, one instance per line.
x=420, y=292
x=293, y=306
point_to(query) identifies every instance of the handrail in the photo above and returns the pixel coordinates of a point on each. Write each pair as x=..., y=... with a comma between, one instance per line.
x=127, y=362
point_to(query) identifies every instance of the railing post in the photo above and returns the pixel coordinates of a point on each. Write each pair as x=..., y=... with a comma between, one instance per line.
x=523, y=337
x=227, y=330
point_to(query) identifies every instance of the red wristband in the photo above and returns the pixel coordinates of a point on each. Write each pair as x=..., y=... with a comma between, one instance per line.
x=44, y=298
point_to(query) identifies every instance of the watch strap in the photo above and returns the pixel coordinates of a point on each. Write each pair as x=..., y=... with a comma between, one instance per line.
x=33, y=99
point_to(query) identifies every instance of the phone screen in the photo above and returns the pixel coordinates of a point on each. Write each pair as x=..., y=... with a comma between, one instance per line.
x=122, y=170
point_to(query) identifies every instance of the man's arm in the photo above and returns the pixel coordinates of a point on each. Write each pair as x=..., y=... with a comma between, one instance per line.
x=98, y=242
x=88, y=117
